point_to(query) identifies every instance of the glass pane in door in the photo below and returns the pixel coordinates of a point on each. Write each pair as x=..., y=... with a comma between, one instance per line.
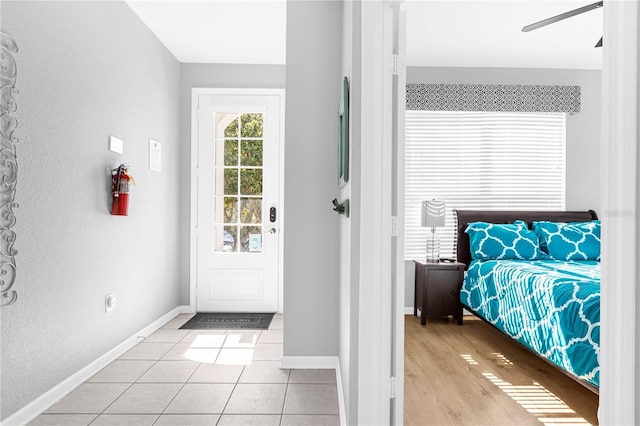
x=238, y=182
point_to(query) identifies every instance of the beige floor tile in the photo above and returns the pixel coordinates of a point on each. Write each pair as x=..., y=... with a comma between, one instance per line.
x=264, y=372
x=278, y=315
x=249, y=420
x=166, y=335
x=311, y=399
x=187, y=420
x=276, y=324
x=149, y=351
x=267, y=352
x=310, y=419
x=122, y=370
x=62, y=420
x=178, y=321
x=125, y=420
x=313, y=376
x=215, y=373
x=185, y=352
x=145, y=398
x=200, y=398
x=241, y=338
x=205, y=338
x=256, y=399
x=89, y=398
x=235, y=356
x=270, y=336
x=169, y=372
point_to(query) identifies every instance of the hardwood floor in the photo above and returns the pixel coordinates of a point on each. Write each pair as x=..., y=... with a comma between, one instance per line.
x=474, y=375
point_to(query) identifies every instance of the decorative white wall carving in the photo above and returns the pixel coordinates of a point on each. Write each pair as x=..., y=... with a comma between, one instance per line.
x=9, y=167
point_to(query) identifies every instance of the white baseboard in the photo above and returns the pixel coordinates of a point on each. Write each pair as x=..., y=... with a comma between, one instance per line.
x=320, y=362
x=46, y=400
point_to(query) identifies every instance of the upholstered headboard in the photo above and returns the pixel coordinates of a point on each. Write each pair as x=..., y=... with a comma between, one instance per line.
x=464, y=217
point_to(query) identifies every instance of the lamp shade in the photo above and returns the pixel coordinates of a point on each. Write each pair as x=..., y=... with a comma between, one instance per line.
x=433, y=213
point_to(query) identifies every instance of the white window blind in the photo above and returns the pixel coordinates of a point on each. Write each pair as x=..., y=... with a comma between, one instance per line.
x=483, y=161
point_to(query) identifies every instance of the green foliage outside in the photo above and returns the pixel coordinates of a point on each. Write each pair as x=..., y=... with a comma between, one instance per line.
x=243, y=157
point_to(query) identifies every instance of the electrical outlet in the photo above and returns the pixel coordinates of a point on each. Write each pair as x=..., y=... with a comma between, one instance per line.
x=109, y=303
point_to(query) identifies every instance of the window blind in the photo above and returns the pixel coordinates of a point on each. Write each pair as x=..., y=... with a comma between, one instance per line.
x=480, y=160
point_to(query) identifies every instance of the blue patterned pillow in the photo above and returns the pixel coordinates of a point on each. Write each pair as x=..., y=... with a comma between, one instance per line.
x=569, y=241
x=503, y=241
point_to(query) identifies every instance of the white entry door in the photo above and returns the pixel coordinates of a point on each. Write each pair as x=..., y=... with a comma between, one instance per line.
x=238, y=192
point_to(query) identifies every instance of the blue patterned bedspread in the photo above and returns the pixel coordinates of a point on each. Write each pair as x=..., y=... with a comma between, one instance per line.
x=550, y=306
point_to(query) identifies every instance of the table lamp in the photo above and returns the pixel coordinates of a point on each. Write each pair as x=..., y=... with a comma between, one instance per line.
x=433, y=215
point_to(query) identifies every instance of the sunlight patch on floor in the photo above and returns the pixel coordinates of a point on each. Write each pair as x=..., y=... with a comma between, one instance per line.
x=469, y=359
x=539, y=401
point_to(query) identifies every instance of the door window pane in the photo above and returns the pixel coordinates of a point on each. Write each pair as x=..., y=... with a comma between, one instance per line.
x=230, y=152
x=252, y=125
x=251, y=153
x=231, y=181
x=251, y=181
x=251, y=210
x=251, y=239
x=230, y=209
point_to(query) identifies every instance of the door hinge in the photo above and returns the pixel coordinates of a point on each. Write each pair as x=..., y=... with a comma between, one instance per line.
x=398, y=65
x=392, y=387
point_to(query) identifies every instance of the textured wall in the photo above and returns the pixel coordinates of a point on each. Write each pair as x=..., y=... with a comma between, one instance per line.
x=87, y=70
x=210, y=76
x=311, y=238
x=583, y=167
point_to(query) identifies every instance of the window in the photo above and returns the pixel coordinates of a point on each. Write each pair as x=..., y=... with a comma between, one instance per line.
x=480, y=160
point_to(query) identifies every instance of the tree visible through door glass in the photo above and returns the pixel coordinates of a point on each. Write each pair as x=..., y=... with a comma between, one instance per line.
x=238, y=182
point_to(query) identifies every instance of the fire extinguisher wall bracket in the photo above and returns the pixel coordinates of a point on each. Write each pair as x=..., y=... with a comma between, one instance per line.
x=121, y=182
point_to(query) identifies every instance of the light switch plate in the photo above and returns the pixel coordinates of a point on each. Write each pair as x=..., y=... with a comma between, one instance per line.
x=115, y=144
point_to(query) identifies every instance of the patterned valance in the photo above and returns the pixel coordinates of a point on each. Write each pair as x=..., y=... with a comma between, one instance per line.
x=493, y=97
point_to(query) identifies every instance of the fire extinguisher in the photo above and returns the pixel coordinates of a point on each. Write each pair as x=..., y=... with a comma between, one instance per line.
x=121, y=182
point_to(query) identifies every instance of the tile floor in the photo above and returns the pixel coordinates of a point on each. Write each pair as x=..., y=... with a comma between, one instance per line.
x=201, y=377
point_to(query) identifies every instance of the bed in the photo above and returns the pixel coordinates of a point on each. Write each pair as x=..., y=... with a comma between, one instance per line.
x=549, y=303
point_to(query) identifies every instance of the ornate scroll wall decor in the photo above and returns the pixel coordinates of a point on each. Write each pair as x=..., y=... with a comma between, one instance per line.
x=493, y=97
x=9, y=166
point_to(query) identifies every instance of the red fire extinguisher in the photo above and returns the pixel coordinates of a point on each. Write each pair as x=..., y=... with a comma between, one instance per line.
x=121, y=182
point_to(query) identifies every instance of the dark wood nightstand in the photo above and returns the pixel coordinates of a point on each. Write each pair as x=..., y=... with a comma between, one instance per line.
x=437, y=290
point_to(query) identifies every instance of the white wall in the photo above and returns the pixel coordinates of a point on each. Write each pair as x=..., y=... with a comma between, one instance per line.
x=311, y=239
x=583, y=171
x=87, y=70
x=210, y=76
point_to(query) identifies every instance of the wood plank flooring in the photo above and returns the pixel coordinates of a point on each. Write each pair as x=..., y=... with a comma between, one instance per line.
x=474, y=375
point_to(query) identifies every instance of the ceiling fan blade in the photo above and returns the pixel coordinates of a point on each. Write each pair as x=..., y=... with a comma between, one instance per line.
x=562, y=16
x=599, y=43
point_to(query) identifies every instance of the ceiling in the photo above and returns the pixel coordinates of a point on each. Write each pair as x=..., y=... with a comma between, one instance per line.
x=444, y=33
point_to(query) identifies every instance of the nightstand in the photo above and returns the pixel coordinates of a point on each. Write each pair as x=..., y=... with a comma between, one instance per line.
x=437, y=290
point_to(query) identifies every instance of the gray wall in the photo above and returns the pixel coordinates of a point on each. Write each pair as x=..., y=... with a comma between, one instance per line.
x=210, y=76
x=87, y=70
x=311, y=245
x=583, y=167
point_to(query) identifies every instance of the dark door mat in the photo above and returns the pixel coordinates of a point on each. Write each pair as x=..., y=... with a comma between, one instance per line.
x=207, y=321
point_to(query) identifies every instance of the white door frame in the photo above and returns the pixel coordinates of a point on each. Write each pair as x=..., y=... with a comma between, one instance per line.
x=620, y=343
x=193, y=219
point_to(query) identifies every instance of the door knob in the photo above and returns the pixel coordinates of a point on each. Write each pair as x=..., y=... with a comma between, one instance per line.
x=270, y=231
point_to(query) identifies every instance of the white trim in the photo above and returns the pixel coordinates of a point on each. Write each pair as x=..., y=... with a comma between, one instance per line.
x=341, y=403
x=193, y=219
x=620, y=332
x=408, y=310
x=375, y=281
x=55, y=394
